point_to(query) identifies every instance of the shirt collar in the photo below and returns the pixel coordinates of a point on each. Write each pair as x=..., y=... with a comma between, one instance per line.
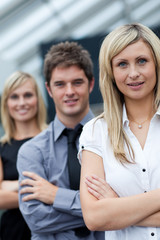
x=58, y=126
x=158, y=111
x=125, y=118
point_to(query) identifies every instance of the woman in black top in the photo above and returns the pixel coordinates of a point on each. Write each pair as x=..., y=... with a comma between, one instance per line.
x=23, y=116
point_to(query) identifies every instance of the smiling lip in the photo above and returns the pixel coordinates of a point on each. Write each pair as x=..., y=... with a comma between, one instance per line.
x=135, y=85
x=71, y=102
x=22, y=111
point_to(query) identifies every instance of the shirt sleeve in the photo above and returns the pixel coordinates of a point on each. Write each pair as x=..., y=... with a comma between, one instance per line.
x=68, y=201
x=91, y=138
x=40, y=217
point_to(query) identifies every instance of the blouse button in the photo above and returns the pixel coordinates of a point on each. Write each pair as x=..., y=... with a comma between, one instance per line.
x=82, y=147
x=152, y=234
x=143, y=169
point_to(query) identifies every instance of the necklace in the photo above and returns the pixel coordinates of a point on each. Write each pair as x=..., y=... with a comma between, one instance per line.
x=140, y=124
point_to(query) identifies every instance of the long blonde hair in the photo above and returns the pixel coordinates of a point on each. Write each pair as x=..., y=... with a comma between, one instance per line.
x=13, y=82
x=113, y=99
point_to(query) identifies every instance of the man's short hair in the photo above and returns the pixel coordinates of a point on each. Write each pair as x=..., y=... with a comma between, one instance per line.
x=66, y=54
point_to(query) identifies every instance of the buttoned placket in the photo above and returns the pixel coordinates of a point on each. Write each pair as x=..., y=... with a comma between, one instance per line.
x=142, y=159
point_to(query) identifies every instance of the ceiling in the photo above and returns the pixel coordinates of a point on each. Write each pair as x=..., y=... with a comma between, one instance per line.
x=25, y=24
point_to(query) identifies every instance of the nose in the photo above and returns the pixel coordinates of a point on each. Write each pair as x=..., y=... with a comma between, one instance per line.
x=69, y=89
x=133, y=72
x=21, y=101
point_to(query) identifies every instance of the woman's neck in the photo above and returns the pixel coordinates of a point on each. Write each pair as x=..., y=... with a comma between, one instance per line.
x=26, y=129
x=140, y=110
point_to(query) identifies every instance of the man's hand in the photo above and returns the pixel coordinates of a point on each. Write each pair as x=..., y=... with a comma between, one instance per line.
x=37, y=188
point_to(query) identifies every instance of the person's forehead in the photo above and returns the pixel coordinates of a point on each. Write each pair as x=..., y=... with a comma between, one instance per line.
x=140, y=46
x=67, y=72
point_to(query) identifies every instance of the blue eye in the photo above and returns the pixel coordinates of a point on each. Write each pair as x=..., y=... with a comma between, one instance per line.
x=59, y=84
x=78, y=82
x=142, y=61
x=122, y=64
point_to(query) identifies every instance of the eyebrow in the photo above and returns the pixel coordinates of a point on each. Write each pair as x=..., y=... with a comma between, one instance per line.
x=78, y=79
x=57, y=81
x=75, y=79
x=123, y=59
x=118, y=60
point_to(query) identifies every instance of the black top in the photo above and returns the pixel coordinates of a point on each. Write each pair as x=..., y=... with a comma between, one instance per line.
x=13, y=226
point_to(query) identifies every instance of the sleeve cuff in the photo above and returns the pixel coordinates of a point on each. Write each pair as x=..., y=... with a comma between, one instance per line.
x=64, y=199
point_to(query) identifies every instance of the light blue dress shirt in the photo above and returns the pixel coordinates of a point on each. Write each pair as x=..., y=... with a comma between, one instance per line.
x=46, y=155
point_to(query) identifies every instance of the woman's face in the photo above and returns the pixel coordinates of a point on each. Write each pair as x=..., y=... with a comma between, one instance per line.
x=22, y=103
x=134, y=71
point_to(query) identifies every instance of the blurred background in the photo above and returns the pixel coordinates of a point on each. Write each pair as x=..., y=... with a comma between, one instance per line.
x=29, y=27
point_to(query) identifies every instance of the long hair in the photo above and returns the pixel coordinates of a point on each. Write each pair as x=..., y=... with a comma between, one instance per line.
x=14, y=81
x=113, y=99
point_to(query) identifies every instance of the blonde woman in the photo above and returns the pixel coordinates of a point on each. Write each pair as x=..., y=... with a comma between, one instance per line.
x=23, y=116
x=121, y=146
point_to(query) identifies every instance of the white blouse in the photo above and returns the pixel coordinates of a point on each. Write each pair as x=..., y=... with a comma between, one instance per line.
x=130, y=179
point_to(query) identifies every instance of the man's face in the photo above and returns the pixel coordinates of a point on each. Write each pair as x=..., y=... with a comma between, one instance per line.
x=70, y=89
